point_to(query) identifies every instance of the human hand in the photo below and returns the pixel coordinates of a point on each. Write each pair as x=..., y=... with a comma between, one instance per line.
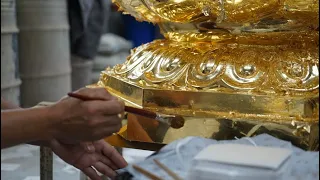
x=7, y=105
x=87, y=120
x=104, y=158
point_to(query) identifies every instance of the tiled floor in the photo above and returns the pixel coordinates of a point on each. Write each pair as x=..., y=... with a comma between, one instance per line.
x=22, y=163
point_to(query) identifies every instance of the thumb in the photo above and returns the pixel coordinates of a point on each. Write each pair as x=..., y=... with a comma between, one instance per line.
x=63, y=151
x=56, y=145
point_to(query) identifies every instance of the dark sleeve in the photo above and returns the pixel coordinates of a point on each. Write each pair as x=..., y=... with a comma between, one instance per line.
x=85, y=38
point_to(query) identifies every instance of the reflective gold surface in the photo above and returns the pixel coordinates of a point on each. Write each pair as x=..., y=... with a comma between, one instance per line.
x=222, y=81
x=288, y=14
x=144, y=133
x=231, y=68
x=304, y=135
x=219, y=67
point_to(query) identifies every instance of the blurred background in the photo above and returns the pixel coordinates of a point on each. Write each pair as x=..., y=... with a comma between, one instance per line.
x=49, y=48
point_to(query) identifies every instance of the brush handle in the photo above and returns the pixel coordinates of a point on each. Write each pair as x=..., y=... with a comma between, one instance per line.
x=129, y=109
x=140, y=112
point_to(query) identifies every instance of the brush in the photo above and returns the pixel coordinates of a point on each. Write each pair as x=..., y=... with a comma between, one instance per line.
x=173, y=121
x=146, y=173
x=167, y=170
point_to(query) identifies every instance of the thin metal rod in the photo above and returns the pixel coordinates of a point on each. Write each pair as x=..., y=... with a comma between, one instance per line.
x=46, y=164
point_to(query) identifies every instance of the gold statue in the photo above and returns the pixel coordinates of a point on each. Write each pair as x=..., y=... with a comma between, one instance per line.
x=230, y=67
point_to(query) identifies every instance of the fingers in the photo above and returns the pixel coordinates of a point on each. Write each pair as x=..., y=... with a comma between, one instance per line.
x=105, y=160
x=104, y=169
x=114, y=156
x=104, y=121
x=105, y=132
x=111, y=107
x=56, y=146
x=100, y=93
x=88, y=120
x=91, y=173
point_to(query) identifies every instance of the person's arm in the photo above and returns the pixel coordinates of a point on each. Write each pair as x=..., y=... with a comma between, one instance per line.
x=6, y=105
x=70, y=120
x=74, y=121
x=26, y=125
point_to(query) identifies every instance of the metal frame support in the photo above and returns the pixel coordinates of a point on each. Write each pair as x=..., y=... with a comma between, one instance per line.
x=46, y=164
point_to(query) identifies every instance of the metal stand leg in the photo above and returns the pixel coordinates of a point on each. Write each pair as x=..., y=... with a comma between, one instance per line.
x=46, y=164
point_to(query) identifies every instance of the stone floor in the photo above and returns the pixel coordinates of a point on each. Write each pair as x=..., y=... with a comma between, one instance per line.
x=22, y=163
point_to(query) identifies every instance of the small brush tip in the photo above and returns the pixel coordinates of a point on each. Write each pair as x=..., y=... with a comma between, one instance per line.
x=177, y=122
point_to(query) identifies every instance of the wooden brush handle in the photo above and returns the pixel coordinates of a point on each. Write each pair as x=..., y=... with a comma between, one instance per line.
x=140, y=112
x=129, y=109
